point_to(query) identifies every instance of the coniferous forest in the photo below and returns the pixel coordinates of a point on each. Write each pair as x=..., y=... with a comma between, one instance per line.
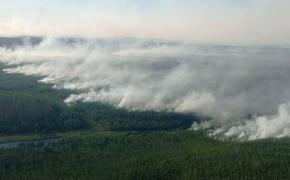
x=144, y=90
x=99, y=141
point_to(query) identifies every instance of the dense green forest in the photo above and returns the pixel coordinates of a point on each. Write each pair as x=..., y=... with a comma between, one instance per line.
x=103, y=142
x=155, y=155
x=27, y=106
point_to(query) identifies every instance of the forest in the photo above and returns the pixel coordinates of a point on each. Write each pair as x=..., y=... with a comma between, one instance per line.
x=41, y=109
x=156, y=155
x=99, y=141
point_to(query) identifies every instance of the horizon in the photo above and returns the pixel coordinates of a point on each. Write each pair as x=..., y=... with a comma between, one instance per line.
x=209, y=21
x=237, y=44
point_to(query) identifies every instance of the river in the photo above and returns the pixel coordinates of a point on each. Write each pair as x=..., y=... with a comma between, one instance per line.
x=15, y=144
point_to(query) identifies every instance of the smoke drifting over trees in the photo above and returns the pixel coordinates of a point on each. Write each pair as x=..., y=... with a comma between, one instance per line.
x=245, y=90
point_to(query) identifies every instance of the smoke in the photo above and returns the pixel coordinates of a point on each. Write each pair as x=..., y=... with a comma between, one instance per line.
x=262, y=126
x=239, y=87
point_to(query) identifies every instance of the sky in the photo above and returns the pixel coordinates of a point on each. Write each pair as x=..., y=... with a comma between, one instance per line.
x=202, y=21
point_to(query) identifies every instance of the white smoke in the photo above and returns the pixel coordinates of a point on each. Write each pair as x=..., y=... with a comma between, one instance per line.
x=239, y=87
x=262, y=126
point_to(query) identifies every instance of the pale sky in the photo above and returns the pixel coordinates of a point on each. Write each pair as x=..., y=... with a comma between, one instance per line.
x=202, y=21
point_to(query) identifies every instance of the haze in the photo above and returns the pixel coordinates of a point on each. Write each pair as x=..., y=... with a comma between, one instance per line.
x=201, y=21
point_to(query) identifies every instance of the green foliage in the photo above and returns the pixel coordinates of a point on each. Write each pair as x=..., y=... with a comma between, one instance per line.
x=27, y=106
x=159, y=155
x=114, y=119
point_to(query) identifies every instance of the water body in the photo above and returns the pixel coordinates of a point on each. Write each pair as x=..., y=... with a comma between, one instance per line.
x=15, y=144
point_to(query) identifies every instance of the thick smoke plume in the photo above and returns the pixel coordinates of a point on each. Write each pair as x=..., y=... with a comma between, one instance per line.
x=244, y=89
